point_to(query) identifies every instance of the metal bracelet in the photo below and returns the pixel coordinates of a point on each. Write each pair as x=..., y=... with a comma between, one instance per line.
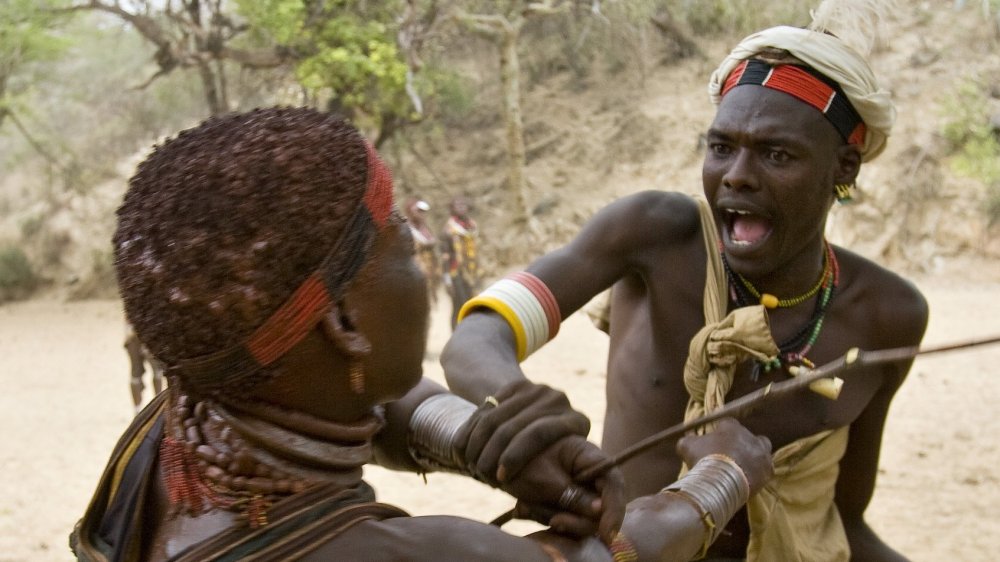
x=434, y=428
x=719, y=486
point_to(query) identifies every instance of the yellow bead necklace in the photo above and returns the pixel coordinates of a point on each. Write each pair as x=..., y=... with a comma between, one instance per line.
x=771, y=301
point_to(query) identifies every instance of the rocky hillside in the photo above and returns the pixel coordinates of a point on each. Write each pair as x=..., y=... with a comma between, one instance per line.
x=592, y=141
x=596, y=138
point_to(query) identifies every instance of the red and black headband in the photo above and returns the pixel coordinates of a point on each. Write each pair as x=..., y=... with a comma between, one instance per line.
x=807, y=85
x=309, y=303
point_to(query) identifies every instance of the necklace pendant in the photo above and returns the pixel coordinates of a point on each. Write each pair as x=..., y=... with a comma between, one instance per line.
x=755, y=372
x=769, y=301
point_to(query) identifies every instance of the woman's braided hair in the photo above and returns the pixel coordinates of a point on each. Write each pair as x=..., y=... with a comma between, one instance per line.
x=222, y=223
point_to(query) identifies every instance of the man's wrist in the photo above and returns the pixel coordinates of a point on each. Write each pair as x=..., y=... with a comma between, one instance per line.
x=716, y=487
x=434, y=433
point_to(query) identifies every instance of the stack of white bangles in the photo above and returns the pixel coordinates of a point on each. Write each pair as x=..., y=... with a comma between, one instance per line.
x=527, y=305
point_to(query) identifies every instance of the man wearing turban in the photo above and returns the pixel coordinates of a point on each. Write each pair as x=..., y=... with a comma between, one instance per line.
x=716, y=298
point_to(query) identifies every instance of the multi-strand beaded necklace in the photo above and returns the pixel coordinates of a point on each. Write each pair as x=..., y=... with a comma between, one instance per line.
x=792, y=351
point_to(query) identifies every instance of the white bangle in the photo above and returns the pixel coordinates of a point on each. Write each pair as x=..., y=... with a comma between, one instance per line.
x=527, y=305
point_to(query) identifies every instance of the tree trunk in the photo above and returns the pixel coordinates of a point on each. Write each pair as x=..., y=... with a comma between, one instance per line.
x=510, y=72
x=211, y=89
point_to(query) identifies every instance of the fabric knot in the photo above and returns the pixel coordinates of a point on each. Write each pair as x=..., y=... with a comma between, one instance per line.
x=717, y=349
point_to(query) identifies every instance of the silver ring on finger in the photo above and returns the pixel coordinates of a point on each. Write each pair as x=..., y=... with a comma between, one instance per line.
x=570, y=496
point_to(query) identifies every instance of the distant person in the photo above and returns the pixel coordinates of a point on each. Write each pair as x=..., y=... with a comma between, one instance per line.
x=139, y=357
x=460, y=255
x=718, y=297
x=425, y=244
x=293, y=332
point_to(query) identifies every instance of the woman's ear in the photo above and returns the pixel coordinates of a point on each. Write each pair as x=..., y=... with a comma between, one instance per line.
x=340, y=328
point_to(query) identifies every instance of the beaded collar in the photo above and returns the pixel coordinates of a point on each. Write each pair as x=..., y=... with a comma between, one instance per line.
x=792, y=351
x=244, y=456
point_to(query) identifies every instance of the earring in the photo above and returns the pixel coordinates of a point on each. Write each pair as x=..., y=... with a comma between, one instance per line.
x=844, y=192
x=357, y=377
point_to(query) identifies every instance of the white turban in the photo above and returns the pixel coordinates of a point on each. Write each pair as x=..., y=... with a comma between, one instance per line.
x=832, y=58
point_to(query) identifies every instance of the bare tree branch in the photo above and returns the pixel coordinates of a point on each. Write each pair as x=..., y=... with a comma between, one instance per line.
x=545, y=8
x=490, y=25
x=146, y=83
x=191, y=34
x=34, y=143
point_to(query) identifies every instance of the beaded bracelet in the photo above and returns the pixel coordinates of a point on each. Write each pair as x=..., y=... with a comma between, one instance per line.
x=716, y=487
x=622, y=549
x=527, y=305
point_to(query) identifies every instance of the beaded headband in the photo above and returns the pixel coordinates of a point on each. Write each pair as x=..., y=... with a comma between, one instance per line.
x=309, y=303
x=807, y=85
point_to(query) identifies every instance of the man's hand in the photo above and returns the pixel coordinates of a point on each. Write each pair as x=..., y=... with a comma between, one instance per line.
x=515, y=426
x=549, y=491
x=730, y=438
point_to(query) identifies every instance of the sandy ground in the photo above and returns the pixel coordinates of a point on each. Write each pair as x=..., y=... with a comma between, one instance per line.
x=65, y=400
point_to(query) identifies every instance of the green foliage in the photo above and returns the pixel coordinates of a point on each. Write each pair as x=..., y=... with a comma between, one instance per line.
x=976, y=150
x=450, y=97
x=27, y=37
x=17, y=278
x=84, y=109
x=31, y=226
x=343, y=51
x=27, y=32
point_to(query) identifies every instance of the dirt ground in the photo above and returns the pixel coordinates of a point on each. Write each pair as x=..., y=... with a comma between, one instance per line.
x=66, y=399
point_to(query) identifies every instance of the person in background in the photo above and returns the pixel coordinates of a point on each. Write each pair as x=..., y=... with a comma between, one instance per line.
x=426, y=245
x=460, y=255
x=139, y=357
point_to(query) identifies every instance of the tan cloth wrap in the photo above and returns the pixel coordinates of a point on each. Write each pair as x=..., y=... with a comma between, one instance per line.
x=716, y=298
x=835, y=60
x=715, y=352
x=725, y=341
x=793, y=518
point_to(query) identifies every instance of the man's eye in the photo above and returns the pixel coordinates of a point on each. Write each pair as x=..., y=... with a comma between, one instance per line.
x=720, y=149
x=778, y=156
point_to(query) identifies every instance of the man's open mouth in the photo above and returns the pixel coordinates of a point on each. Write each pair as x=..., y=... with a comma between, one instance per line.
x=745, y=229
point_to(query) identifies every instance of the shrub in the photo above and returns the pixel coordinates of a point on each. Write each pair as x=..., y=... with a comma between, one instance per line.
x=973, y=142
x=100, y=282
x=17, y=278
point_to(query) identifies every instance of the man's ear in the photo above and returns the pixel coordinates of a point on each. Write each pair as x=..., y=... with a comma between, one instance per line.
x=848, y=164
x=340, y=328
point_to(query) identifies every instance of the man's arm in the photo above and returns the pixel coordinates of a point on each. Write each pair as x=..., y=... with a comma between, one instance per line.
x=859, y=467
x=856, y=482
x=729, y=465
x=480, y=360
x=480, y=357
x=391, y=446
x=416, y=427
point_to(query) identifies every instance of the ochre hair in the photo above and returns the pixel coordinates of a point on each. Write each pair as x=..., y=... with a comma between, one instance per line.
x=222, y=223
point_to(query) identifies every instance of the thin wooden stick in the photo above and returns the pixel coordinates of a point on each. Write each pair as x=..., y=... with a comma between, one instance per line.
x=743, y=405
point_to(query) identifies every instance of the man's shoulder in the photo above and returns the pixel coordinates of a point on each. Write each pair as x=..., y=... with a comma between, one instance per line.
x=888, y=298
x=664, y=211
